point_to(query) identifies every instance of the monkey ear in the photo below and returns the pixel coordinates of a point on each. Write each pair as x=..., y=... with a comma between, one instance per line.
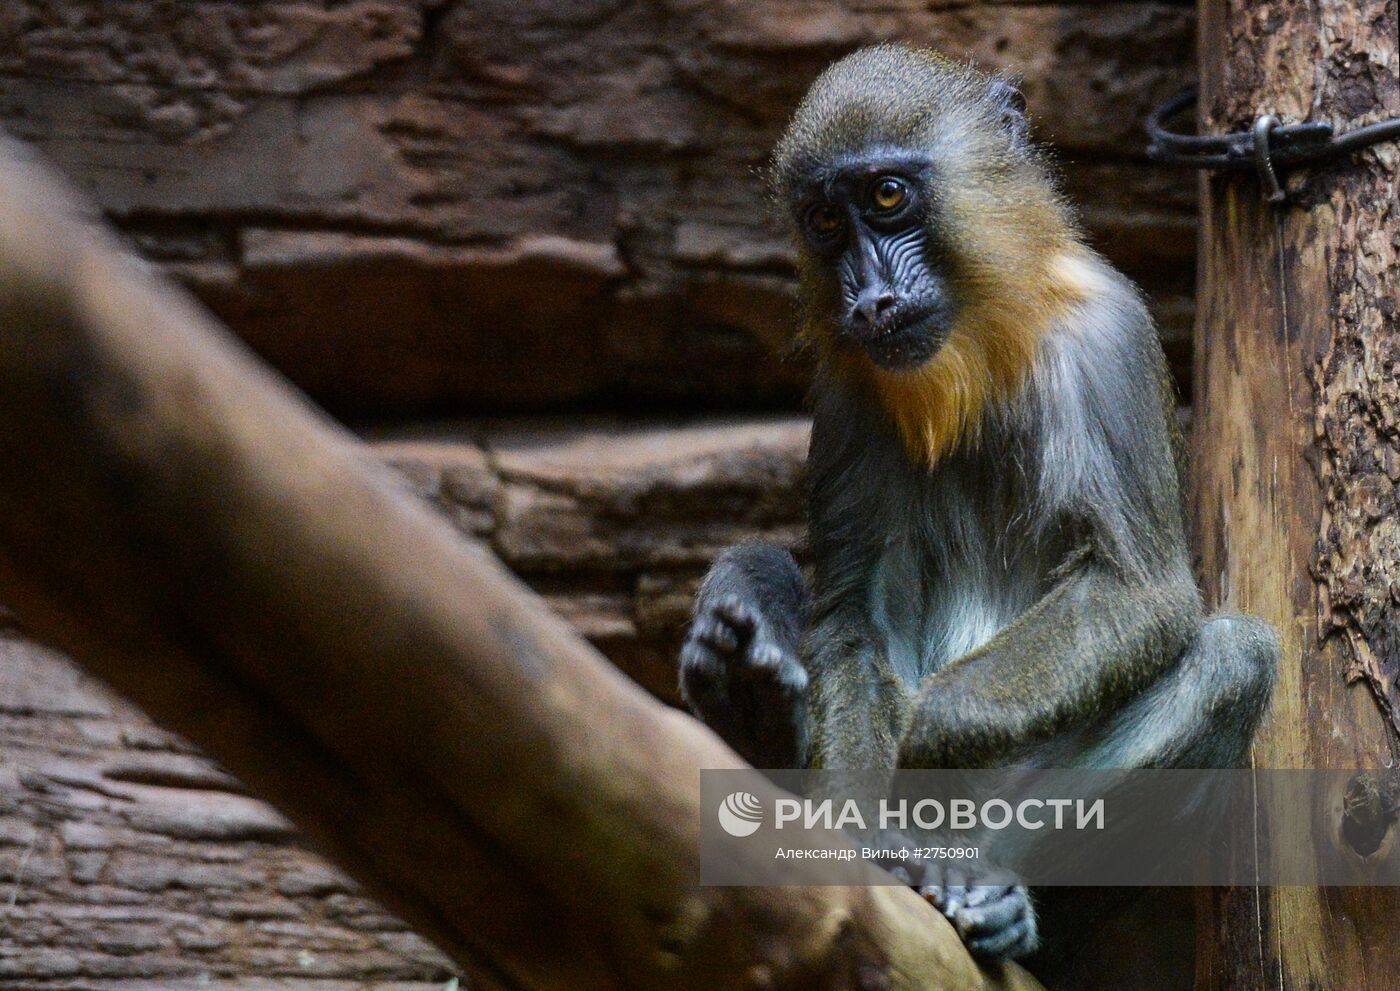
x=1011, y=102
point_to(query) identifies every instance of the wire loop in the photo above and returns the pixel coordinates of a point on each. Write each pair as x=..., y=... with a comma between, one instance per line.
x=1264, y=125
x=1267, y=147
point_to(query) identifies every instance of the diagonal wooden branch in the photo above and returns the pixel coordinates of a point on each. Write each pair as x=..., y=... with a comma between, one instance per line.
x=190, y=529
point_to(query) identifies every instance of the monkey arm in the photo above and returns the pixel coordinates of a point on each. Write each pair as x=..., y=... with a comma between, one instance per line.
x=856, y=705
x=1091, y=643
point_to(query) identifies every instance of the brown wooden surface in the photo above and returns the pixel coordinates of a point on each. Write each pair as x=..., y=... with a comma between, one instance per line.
x=429, y=206
x=1297, y=453
x=191, y=530
x=129, y=859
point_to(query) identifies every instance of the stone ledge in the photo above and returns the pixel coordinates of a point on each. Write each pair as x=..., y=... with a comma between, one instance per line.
x=614, y=522
x=424, y=207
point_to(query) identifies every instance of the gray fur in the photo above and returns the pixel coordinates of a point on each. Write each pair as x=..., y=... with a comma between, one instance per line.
x=1026, y=601
x=941, y=560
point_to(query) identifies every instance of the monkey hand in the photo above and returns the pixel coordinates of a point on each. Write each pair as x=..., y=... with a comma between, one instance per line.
x=743, y=683
x=990, y=908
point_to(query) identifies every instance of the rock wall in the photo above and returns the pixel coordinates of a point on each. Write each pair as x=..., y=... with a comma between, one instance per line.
x=439, y=207
x=614, y=522
x=128, y=861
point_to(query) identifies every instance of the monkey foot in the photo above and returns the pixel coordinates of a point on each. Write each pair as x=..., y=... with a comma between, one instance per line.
x=992, y=914
x=989, y=907
x=743, y=683
x=729, y=640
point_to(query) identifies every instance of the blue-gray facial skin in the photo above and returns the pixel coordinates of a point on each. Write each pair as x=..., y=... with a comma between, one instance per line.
x=868, y=217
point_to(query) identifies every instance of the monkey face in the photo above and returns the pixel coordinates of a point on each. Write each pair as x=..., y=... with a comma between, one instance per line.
x=935, y=250
x=865, y=217
x=929, y=227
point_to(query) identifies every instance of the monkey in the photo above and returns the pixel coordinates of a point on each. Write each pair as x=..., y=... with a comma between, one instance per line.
x=1000, y=569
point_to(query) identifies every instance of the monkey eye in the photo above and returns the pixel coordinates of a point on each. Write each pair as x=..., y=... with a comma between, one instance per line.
x=889, y=193
x=825, y=220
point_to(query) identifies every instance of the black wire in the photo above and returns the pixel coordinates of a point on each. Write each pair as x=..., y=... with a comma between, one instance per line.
x=1289, y=144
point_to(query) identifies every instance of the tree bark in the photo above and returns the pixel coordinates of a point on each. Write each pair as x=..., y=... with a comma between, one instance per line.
x=1297, y=444
x=186, y=526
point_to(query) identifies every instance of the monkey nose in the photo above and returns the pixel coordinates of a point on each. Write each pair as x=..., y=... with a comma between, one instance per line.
x=873, y=303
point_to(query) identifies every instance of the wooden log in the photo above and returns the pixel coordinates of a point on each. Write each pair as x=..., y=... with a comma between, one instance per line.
x=128, y=859
x=185, y=525
x=1296, y=454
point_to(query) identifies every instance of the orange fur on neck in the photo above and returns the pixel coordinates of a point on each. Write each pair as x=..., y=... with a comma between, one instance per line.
x=987, y=354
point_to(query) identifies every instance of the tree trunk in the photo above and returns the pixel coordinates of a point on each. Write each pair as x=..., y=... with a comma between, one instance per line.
x=1297, y=456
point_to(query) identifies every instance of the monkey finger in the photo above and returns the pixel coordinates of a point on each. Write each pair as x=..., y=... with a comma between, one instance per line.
x=698, y=662
x=737, y=613
x=947, y=898
x=954, y=890
x=700, y=679
x=1005, y=909
x=773, y=664
x=901, y=874
x=792, y=678
x=981, y=894
x=886, y=842
x=992, y=917
x=934, y=884
x=1016, y=940
x=1002, y=929
x=954, y=897
x=716, y=633
x=768, y=657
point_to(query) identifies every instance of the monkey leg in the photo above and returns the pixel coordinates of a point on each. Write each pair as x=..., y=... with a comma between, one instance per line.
x=739, y=670
x=1201, y=713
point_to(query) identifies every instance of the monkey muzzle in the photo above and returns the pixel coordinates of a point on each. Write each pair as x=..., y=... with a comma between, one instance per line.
x=905, y=332
x=897, y=307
